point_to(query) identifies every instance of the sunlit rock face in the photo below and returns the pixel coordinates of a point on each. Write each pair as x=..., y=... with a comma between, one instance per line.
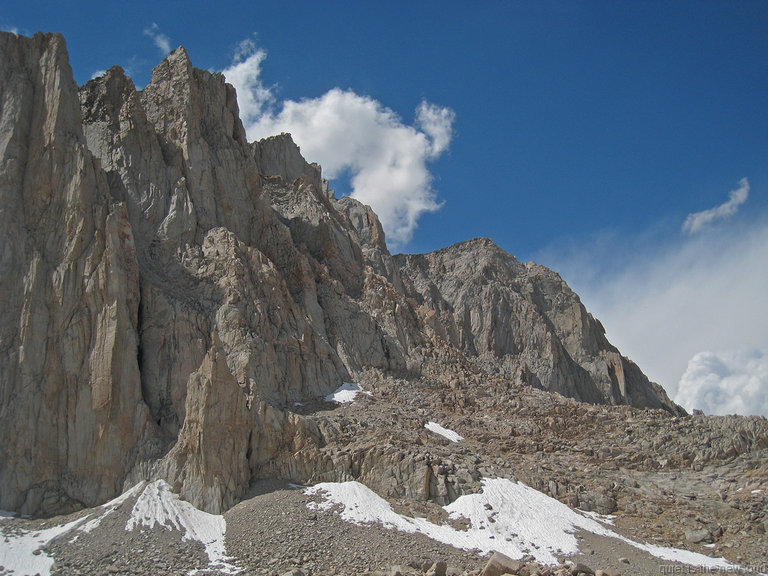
x=169, y=291
x=524, y=322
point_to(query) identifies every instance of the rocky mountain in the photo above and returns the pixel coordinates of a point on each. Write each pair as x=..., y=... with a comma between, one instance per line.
x=170, y=291
x=177, y=302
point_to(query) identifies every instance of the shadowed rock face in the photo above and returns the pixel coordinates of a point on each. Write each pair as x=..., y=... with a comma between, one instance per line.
x=168, y=291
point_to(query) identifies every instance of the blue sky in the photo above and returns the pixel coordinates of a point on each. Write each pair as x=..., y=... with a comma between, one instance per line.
x=581, y=135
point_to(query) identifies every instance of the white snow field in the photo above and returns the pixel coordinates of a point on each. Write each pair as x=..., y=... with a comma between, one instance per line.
x=507, y=517
x=345, y=393
x=444, y=432
x=20, y=553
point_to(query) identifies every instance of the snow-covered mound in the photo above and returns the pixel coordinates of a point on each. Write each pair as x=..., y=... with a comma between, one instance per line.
x=158, y=505
x=22, y=553
x=507, y=517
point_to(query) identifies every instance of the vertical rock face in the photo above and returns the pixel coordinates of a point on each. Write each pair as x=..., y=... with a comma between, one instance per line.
x=168, y=291
x=71, y=413
x=229, y=303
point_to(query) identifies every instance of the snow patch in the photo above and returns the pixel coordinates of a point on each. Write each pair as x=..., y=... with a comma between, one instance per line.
x=604, y=518
x=345, y=393
x=507, y=517
x=110, y=507
x=23, y=554
x=444, y=432
x=159, y=505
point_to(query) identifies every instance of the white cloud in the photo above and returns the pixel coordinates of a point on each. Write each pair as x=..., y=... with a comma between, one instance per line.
x=726, y=383
x=699, y=220
x=663, y=304
x=98, y=74
x=347, y=133
x=253, y=98
x=437, y=123
x=11, y=29
x=161, y=40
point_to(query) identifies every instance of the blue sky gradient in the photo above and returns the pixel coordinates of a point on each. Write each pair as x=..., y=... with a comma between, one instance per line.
x=585, y=134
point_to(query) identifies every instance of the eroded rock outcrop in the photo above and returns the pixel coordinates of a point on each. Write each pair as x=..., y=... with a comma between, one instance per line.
x=524, y=322
x=170, y=292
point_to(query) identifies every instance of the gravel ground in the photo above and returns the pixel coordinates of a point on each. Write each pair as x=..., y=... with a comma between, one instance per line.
x=635, y=461
x=110, y=549
x=276, y=531
x=273, y=532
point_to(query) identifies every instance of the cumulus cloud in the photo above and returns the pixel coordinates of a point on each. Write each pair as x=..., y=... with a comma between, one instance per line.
x=699, y=220
x=11, y=29
x=253, y=98
x=161, y=40
x=664, y=303
x=726, y=383
x=437, y=123
x=350, y=134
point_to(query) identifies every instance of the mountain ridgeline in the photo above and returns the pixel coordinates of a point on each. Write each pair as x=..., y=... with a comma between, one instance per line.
x=170, y=292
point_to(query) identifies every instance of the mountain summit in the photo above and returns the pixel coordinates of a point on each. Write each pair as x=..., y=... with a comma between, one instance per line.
x=171, y=293
x=192, y=324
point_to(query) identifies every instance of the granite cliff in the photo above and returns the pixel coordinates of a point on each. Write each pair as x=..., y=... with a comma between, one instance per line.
x=171, y=294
